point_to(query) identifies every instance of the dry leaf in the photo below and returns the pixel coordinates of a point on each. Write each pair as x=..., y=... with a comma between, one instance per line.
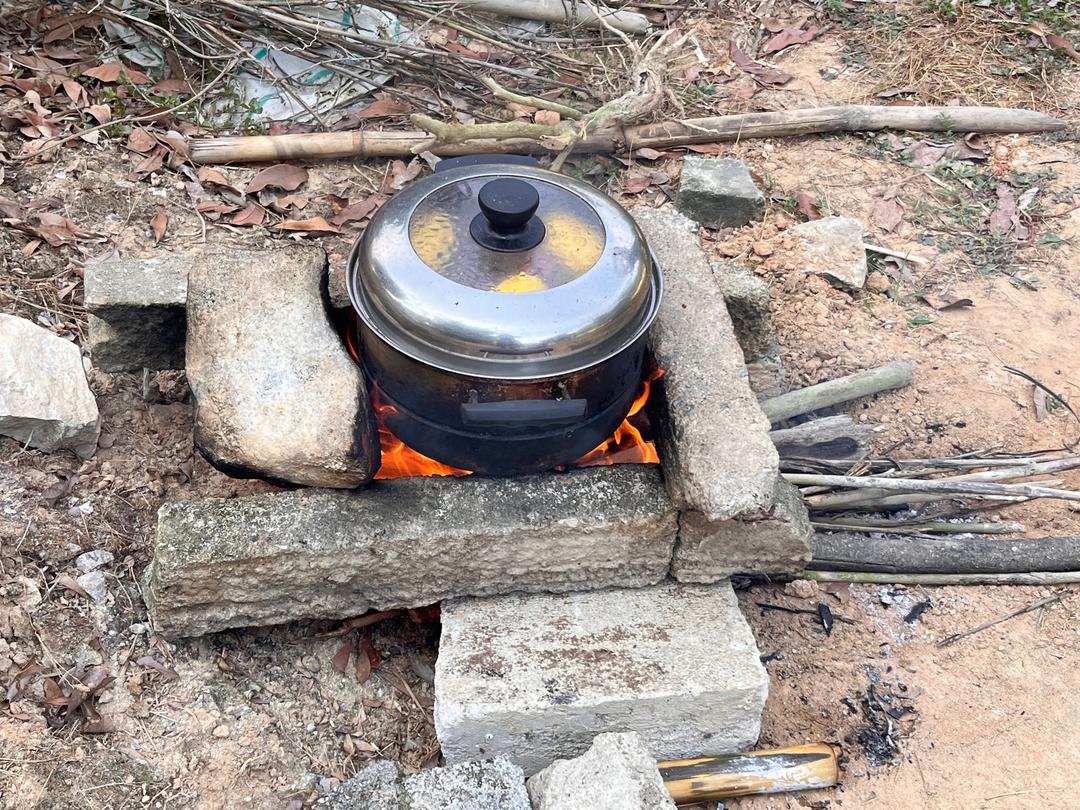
x=383, y=107
x=167, y=673
x=312, y=225
x=102, y=113
x=708, y=148
x=214, y=177
x=151, y=163
x=635, y=183
x=807, y=205
x=159, y=223
x=283, y=176
x=645, y=153
x=762, y=73
x=887, y=215
x=252, y=215
x=363, y=667
x=358, y=210
x=403, y=173
x=547, y=117
x=789, y=37
x=141, y=141
x=1005, y=217
x=341, y=657
x=1059, y=42
x=68, y=581
x=111, y=72
x=949, y=301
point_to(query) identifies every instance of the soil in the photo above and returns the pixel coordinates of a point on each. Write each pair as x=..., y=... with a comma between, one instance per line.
x=264, y=718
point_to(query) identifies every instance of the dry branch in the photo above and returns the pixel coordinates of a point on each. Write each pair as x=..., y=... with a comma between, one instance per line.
x=834, y=437
x=906, y=578
x=574, y=11
x=367, y=143
x=939, y=486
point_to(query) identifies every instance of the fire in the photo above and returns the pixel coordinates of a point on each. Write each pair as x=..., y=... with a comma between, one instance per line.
x=627, y=445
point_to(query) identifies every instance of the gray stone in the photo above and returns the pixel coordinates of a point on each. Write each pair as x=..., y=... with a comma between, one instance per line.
x=93, y=582
x=536, y=677
x=747, y=298
x=497, y=784
x=720, y=465
x=277, y=395
x=775, y=541
x=376, y=787
x=766, y=376
x=833, y=248
x=403, y=543
x=45, y=400
x=90, y=560
x=137, y=310
x=616, y=773
x=719, y=192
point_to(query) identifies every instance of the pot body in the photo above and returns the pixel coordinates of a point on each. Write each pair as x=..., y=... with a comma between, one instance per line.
x=500, y=427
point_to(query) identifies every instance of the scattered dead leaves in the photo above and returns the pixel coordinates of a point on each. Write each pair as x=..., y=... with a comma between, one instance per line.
x=159, y=223
x=283, y=176
x=312, y=226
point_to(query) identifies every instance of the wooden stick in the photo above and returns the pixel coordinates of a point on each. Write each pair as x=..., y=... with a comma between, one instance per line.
x=798, y=767
x=1038, y=604
x=895, y=554
x=568, y=11
x=913, y=527
x=834, y=437
x=816, y=120
x=893, y=375
x=874, y=578
x=936, y=486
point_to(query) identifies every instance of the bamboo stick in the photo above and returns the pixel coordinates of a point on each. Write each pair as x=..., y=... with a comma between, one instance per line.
x=874, y=578
x=816, y=120
x=799, y=767
x=934, y=486
x=893, y=375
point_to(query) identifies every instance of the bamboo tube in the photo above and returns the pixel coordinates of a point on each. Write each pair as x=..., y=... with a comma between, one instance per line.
x=798, y=767
x=394, y=143
x=897, y=374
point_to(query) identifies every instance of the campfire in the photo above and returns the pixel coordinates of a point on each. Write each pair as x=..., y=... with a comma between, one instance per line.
x=631, y=443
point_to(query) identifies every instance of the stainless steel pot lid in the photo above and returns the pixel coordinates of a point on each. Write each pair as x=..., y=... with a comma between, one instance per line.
x=504, y=271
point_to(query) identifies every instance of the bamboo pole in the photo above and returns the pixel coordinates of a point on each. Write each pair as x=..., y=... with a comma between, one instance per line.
x=874, y=578
x=942, y=486
x=897, y=374
x=816, y=120
x=798, y=767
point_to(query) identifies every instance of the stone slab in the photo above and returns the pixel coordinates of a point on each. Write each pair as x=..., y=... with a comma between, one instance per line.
x=616, y=773
x=720, y=466
x=719, y=192
x=537, y=677
x=137, y=310
x=404, y=543
x=833, y=248
x=277, y=395
x=45, y=400
x=748, y=303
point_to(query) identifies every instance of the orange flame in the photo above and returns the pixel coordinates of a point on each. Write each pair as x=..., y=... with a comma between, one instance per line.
x=627, y=445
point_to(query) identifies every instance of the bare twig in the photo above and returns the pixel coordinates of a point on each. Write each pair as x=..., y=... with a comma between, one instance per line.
x=1038, y=604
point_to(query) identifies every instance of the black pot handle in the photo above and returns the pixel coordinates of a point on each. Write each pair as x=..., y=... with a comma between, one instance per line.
x=520, y=413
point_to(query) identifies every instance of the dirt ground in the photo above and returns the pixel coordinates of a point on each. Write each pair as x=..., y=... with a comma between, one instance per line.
x=263, y=718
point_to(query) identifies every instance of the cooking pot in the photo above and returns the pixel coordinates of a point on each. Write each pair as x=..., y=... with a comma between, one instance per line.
x=503, y=312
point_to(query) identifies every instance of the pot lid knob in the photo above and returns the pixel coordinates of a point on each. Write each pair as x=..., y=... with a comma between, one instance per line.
x=507, y=221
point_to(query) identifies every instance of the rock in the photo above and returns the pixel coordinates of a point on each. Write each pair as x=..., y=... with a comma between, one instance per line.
x=719, y=192
x=616, y=773
x=537, y=676
x=748, y=303
x=767, y=377
x=277, y=395
x=376, y=787
x=93, y=582
x=412, y=541
x=878, y=282
x=720, y=466
x=497, y=784
x=222, y=732
x=833, y=248
x=802, y=589
x=137, y=309
x=93, y=559
x=45, y=400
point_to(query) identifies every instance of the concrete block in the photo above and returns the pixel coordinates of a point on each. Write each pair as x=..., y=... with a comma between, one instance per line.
x=376, y=787
x=616, y=773
x=536, y=677
x=777, y=541
x=720, y=465
x=833, y=248
x=137, y=311
x=747, y=298
x=413, y=541
x=719, y=192
x=496, y=784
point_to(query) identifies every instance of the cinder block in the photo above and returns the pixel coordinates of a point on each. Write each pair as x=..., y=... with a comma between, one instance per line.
x=137, y=311
x=536, y=677
x=719, y=192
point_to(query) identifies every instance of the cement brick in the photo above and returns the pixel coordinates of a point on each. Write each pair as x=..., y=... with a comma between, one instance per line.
x=776, y=541
x=536, y=677
x=137, y=311
x=747, y=299
x=720, y=465
x=497, y=784
x=719, y=192
x=331, y=554
x=616, y=773
x=376, y=787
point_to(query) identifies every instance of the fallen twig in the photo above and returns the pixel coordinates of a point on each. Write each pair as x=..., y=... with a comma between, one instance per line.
x=893, y=375
x=874, y=578
x=941, y=486
x=1038, y=604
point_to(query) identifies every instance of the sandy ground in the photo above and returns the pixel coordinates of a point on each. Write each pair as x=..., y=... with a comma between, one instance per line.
x=262, y=718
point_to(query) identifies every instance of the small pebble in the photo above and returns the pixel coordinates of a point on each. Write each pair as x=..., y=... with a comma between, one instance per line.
x=221, y=732
x=763, y=248
x=93, y=559
x=878, y=282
